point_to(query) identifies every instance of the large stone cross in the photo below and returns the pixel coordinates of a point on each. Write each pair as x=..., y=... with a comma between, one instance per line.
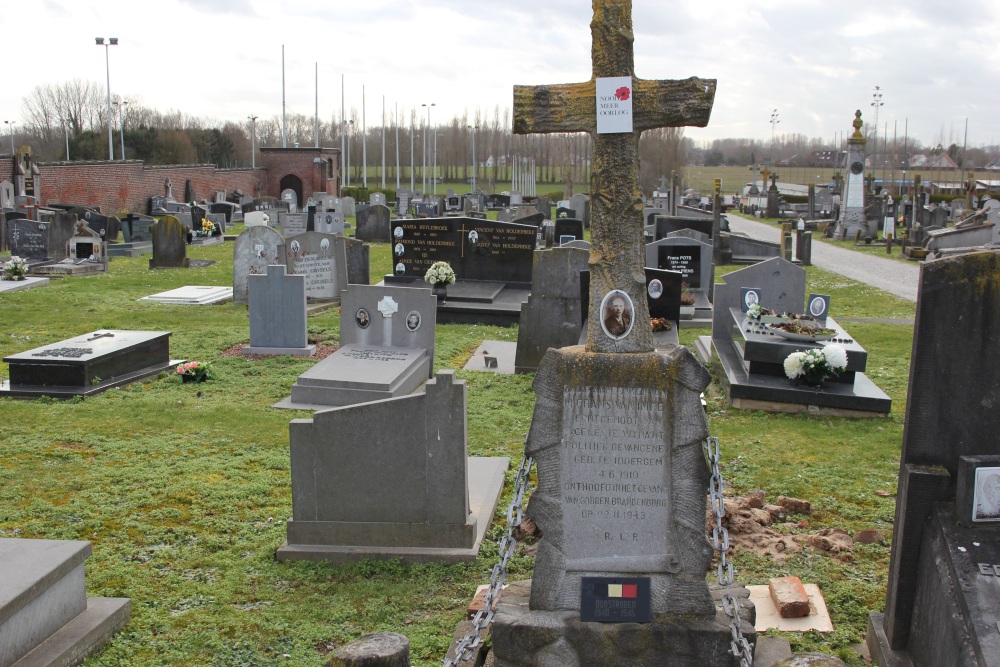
x=617, y=250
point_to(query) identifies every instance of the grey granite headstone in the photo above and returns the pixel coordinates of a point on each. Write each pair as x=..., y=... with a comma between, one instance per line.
x=348, y=204
x=254, y=249
x=691, y=257
x=358, y=264
x=377, y=198
x=373, y=223
x=290, y=199
x=329, y=221
x=783, y=285
x=322, y=260
x=293, y=224
x=169, y=244
x=581, y=204
x=951, y=413
x=278, y=314
x=552, y=316
x=386, y=348
x=405, y=494
x=258, y=218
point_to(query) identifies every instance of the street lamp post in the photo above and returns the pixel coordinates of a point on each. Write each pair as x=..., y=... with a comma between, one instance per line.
x=475, y=164
x=876, y=102
x=774, y=123
x=10, y=123
x=112, y=41
x=427, y=141
x=121, y=119
x=253, y=139
x=66, y=131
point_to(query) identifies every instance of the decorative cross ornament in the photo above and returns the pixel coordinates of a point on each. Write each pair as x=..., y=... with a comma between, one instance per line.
x=388, y=306
x=617, y=250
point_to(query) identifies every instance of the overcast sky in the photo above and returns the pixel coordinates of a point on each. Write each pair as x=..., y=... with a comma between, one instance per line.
x=814, y=61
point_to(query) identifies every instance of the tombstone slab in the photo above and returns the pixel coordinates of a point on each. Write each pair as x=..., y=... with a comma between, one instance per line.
x=169, y=244
x=373, y=223
x=87, y=364
x=192, y=295
x=44, y=608
x=322, y=260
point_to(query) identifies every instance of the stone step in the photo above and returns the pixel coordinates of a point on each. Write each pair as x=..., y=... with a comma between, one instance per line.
x=44, y=609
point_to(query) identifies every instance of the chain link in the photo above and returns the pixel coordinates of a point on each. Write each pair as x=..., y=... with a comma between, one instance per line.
x=508, y=547
x=739, y=646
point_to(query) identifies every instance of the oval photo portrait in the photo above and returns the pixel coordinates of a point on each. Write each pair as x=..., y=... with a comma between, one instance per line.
x=616, y=314
x=816, y=307
x=654, y=289
x=413, y=320
x=361, y=317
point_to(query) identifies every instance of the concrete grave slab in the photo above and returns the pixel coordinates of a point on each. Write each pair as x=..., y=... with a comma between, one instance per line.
x=193, y=295
x=768, y=617
x=495, y=356
x=18, y=285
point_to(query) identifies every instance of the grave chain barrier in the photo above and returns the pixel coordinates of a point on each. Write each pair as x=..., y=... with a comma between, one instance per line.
x=725, y=571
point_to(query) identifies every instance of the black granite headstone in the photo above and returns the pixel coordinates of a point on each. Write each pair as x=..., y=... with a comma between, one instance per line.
x=668, y=223
x=373, y=223
x=568, y=227
x=476, y=249
x=28, y=239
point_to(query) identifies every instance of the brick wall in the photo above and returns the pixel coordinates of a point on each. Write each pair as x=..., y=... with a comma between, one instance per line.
x=128, y=184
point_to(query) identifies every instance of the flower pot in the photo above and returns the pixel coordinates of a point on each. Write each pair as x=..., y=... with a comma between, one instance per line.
x=440, y=290
x=813, y=379
x=185, y=378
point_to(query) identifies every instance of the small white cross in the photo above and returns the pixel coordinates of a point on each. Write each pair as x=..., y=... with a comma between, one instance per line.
x=387, y=306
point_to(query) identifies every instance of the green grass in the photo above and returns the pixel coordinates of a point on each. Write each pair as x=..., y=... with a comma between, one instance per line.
x=184, y=489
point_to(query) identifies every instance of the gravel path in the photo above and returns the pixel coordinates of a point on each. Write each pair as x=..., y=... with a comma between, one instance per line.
x=889, y=275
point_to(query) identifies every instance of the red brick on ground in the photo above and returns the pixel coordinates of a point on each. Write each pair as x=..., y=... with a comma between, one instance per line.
x=789, y=597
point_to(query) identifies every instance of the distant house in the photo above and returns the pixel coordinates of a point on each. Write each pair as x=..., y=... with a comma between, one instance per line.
x=941, y=161
x=993, y=165
x=830, y=159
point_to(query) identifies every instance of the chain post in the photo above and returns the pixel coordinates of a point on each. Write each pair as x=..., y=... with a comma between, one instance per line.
x=507, y=548
x=739, y=646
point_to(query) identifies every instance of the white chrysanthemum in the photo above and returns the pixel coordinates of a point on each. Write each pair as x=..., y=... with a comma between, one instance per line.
x=836, y=356
x=794, y=364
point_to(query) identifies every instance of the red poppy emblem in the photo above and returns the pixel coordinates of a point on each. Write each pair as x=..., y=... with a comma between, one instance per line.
x=623, y=93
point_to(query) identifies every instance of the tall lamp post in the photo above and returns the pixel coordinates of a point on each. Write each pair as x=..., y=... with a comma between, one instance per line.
x=347, y=172
x=10, y=124
x=475, y=164
x=253, y=139
x=876, y=103
x=121, y=119
x=66, y=131
x=774, y=123
x=112, y=41
x=427, y=141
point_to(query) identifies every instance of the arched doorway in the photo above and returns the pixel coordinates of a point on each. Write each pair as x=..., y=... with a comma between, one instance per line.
x=291, y=182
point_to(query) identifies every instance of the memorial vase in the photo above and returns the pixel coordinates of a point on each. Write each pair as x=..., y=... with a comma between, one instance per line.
x=440, y=290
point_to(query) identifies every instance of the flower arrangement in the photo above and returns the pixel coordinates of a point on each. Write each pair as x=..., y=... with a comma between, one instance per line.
x=194, y=371
x=207, y=227
x=661, y=324
x=15, y=269
x=266, y=218
x=755, y=311
x=814, y=366
x=688, y=298
x=440, y=273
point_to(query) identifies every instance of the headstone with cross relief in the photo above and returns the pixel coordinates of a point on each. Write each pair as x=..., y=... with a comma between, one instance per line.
x=618, y=429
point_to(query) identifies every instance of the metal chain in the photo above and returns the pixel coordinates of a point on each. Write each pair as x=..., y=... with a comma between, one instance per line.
x=508, y=546
x=739, y=646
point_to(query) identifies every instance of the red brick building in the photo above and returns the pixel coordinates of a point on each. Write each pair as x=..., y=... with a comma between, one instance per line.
x=127, y=185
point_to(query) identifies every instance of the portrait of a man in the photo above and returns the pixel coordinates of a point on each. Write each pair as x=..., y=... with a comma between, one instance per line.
x=398, y=249
x=397, y=233
x=413, y=320
x=617, y=310
x=986, y=506
x=361, y=317
x=400, y=269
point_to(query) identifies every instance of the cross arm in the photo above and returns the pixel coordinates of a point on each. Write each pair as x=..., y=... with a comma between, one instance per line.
x=685, y=102
x=570, y=107
x=562, y=107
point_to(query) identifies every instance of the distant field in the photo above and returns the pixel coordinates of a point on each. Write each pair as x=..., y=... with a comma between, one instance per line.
x=699, y=178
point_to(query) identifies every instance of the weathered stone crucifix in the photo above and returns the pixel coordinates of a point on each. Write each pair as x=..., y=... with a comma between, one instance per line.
x=617, y=250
